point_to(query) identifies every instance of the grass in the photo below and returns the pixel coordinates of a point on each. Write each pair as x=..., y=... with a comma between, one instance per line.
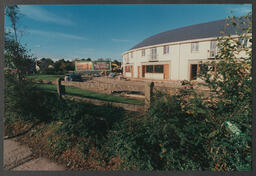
x=70, y=90
x=45, y=77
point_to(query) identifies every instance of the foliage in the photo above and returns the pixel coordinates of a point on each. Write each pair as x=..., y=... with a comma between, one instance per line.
x=171, y=137
x=61, y=66
x=180, y=132
x=13, y=13
x=16, y=55
x=232, y=87
x=86, y=121
x=187, y=131
x=23, y=100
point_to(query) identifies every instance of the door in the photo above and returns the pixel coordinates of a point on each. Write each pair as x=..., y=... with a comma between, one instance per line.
x=166, y=71
x=138, y=71
x=193, y=71
x=143, y=71
x=132, y=70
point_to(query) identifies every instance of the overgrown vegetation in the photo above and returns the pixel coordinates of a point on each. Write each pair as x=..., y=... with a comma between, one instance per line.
x=186, y=131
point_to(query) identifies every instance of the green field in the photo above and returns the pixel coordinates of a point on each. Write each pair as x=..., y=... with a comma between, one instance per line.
x=45, y=77
x=70, y=90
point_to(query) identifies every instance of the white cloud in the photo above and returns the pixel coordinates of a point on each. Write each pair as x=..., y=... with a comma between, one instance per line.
x=241, y=9
x=56, y=34
x=120, y=40
x=39, y=14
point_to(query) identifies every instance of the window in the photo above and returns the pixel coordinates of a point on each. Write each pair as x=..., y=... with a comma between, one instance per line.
x=149, y=68
x=166, y=49
x=242, y=43
x=127, y=68
x=154, y=68
x=143, y=52
x=127, y=58
x=245, y=43
x=194, y=46
x=213, y=45
x=153, y=53
x=159, y=69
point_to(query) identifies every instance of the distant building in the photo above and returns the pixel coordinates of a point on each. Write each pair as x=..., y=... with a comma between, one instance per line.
x=37, y=67
x=81, y=66
x=174, y=54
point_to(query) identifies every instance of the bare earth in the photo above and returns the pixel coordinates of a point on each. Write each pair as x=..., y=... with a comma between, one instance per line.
x=20, y=157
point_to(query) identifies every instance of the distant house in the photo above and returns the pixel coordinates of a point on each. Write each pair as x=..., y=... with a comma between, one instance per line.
x=37, y=67
x=50, y=66
x=174, y=54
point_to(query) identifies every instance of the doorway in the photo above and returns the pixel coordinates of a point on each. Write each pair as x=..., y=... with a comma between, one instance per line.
x=138, y=71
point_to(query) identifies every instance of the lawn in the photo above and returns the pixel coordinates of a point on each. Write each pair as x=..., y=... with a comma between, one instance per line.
x=70, y=90
x=45, y=77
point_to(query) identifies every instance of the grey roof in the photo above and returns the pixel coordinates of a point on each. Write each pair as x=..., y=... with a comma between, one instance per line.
x=198, y=31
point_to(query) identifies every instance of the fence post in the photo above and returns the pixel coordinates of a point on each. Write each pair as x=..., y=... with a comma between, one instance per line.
x=148, y=94
x=60, y=88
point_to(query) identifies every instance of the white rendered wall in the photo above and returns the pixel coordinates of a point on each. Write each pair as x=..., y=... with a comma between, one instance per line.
x=180, y=56
x=128, y=74
x=154, y=76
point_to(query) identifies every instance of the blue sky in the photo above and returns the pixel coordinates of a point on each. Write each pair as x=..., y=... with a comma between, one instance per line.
x=106, y=31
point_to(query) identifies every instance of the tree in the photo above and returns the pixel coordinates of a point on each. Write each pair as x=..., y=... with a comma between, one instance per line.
x=13, y=13
x=231, y=85
x=16, y=55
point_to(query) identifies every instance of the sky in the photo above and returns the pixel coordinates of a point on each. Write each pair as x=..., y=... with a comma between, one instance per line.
x=106, y=31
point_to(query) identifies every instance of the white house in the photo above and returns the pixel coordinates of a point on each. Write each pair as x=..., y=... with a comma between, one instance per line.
x=174, y=54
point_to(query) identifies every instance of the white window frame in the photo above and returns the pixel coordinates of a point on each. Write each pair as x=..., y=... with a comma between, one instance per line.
x=213, y=45
x=166, y=49
x=143, y=52
x=195, y=47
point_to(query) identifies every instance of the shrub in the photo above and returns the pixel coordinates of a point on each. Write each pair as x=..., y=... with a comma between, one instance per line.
x=24, y=101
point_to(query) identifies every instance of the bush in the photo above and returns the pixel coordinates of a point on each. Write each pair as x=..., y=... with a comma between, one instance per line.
x=24, y=101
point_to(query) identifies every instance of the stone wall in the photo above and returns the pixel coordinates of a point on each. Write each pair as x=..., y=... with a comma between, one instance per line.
x=107, y=87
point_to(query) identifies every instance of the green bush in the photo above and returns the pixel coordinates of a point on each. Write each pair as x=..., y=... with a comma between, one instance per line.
x=24, y=101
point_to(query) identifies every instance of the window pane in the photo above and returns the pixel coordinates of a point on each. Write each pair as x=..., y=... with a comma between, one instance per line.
x=213, y=45
x=159, y=68
x=153, y=50
x=166, y=49
x=149, y=68
x=245, y=43
x=143, y=52
x=195, y=46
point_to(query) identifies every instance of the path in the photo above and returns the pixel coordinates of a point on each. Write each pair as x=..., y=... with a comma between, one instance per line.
x=20, y=157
